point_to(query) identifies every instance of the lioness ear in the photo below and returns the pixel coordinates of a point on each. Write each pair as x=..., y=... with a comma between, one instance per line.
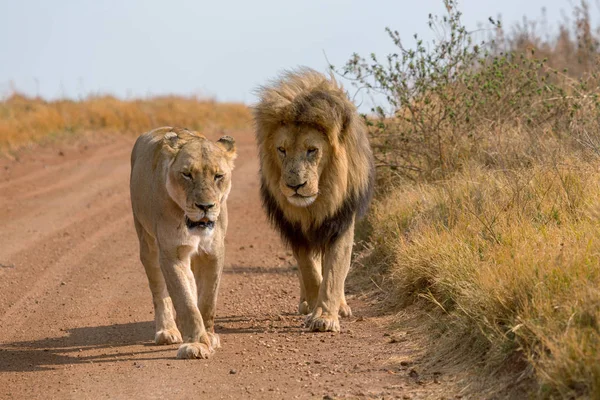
x=171, y=139
x=228, y=144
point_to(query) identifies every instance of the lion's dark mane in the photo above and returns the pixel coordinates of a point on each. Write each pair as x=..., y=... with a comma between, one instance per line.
x=327, y=232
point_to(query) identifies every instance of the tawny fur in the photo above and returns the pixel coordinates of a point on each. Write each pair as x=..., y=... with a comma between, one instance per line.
x=306, y=108
x=308, y=98
x=176, y=175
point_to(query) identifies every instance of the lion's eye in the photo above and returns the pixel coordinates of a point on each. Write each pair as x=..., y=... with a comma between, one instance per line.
x=187, y=175
x=218, y=177
x=281, y=150
x=312, y=151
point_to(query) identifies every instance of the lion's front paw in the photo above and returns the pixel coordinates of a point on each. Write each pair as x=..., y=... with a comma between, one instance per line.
x=320, y=321
x=194, y=350
x=345, y=311
x=167, y=336
x=303, y=308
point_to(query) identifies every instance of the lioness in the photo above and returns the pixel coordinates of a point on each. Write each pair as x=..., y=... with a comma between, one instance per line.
x=317, y=177
x=179, y=186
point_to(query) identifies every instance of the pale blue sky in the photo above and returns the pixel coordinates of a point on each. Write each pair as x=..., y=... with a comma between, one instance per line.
x=221, y=49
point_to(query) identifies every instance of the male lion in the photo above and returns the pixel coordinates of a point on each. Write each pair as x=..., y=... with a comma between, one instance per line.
x=317, y=177
x=179, y=186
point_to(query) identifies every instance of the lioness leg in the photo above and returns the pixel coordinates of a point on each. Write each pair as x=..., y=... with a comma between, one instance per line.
x=336, y=263
x=166, y=329
x=309, y=267
x=207, y=272
x=189, y=321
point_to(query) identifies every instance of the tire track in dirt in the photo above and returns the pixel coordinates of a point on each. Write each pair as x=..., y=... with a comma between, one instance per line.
x=56, y=274
x=76, y=317
x=102, y=191
x=42, y=176
x=76, y=178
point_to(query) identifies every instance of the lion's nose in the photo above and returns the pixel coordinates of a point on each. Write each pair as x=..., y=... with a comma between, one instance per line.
x=205, y=207
x=296, y=187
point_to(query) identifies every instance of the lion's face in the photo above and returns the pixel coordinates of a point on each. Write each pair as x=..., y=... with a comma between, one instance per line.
x=303, y=152
x=199, y=181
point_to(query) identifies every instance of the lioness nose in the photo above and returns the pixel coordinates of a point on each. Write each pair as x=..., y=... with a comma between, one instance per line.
x=205, y=207
x=296, y=187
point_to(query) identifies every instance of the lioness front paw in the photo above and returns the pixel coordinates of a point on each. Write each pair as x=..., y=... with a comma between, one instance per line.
x=167, y=336
x=194, y=350
x=303, y=308
x=320, y=321
x=345, y=311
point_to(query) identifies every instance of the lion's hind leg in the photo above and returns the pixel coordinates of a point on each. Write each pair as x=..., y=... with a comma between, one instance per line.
x=303, y=308
x=309, y=272
x=166, y=329
x=345, y=310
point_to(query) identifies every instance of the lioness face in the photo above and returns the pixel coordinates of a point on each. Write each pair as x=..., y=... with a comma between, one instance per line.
x=302, y=152
x=199, y=181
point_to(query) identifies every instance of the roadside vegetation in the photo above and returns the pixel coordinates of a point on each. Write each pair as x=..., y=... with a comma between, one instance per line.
x=26, y=120
x=487, y=218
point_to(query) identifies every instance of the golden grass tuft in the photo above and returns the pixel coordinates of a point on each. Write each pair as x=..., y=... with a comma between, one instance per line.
x=25, y=120
x=511, y=259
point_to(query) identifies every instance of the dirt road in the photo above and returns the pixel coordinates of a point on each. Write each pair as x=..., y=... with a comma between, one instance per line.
x=76, y=318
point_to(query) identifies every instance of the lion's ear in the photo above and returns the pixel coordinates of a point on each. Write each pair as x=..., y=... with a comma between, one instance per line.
x=346, y=116
x=228, y=144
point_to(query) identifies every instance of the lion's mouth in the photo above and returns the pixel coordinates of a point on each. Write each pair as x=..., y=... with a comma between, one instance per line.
x=302, y=196
x=301, y=201
x=204, y=223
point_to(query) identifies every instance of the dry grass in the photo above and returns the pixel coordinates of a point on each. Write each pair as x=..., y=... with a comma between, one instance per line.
x=25, y=120
x=488, y=216
x=510, y=258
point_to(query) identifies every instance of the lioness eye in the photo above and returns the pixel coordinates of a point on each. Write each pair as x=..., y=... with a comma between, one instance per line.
x=187, y=175
x=311, y=151
x=281, y=150
x=218, y=177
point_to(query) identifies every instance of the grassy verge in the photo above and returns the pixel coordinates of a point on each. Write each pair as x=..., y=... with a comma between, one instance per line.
x=488, y=218
x=24, y=120
x=511, y=261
